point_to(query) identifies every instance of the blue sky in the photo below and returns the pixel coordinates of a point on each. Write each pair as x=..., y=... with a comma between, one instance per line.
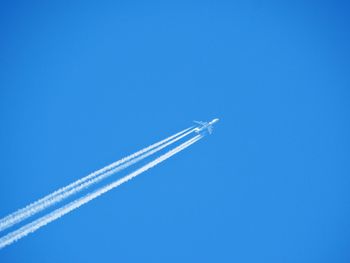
x=84, y=83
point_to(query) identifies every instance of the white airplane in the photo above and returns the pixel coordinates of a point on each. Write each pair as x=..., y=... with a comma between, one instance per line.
x=205, y=126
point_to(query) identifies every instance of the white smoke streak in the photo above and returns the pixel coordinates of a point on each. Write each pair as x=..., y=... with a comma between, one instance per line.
x=59, y=197
x=31, y=227
x=74, y=187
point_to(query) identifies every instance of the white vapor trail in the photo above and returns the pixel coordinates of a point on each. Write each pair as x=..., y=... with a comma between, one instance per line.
x=86, y=181
x=31, y=227
x=59, y=197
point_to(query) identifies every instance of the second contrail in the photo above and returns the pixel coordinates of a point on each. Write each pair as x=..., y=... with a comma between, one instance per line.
x=31, y=227
x=88, y=180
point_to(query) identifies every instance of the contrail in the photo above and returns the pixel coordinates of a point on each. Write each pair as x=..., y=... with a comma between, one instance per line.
x=65, y=194
x=31, y=227
x=86, y=181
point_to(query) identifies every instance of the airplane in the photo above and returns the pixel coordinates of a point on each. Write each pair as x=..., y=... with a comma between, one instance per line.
x=205, y=126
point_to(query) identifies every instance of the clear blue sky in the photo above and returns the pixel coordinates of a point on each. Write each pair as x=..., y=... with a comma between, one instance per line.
x=84, y=83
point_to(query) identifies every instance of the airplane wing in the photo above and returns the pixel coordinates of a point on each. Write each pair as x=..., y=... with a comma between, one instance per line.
x=199, y=122
x=210, y=129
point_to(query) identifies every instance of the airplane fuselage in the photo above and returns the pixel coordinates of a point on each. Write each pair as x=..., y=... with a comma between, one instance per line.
x=206, y=126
